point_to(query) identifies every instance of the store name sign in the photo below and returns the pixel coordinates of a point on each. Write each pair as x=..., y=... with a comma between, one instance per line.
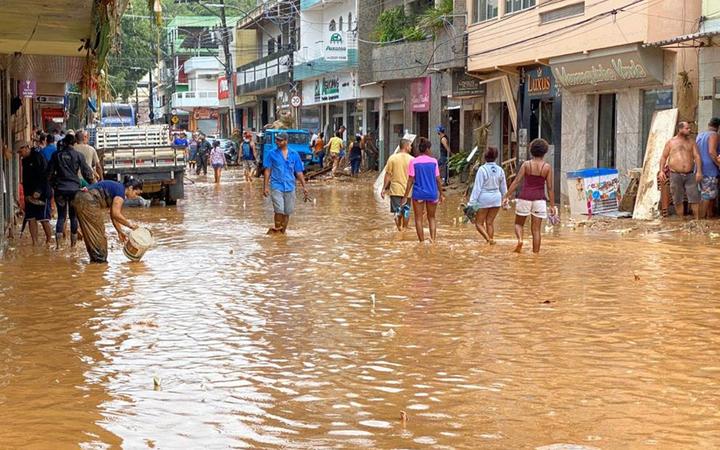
x=540, y=83
x=618, y=70
x=336, y=47
x=641, y=65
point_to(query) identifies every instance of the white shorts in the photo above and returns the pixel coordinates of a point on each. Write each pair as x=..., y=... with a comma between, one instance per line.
x=537, y=208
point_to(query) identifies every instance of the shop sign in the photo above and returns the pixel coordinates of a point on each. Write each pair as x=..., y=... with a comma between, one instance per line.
x=336, y=47
x=204, y=114
x=28, y=88
x=621, y=69
x=223, y=88
x=282, y=100
x=463, y=85
x=540, y=83
x=420, y=95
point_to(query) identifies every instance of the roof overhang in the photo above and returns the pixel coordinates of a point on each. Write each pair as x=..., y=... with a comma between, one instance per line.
x=700, y=39
x=42, y=27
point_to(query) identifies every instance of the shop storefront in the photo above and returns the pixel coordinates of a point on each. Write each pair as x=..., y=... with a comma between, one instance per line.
x=465, y=108
x=540, y=115
x=334, y=100
x=608, y=98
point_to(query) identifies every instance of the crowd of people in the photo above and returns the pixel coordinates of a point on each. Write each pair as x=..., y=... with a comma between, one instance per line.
x=62, y=177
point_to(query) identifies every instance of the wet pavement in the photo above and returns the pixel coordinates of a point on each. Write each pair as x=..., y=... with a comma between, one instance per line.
x=223, y=337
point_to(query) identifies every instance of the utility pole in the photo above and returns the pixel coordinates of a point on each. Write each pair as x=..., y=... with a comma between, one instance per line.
x=229, y=68
x=150, y=99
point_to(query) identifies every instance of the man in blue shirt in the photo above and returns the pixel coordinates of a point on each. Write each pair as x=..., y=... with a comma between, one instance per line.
x=49, y=148
x=282, y=167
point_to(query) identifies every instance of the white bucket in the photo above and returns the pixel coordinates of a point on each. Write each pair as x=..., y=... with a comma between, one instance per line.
x=137, y=244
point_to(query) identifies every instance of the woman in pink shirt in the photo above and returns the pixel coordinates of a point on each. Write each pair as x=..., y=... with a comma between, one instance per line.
x=217, y=159
x=426, y=186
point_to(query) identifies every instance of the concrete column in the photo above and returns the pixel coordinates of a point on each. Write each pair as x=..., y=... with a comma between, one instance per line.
x=381, y=129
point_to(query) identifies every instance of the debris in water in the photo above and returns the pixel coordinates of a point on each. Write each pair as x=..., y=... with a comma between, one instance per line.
x=403, y=416
x=388, y=333
x=714, y=235
x=546, y=302
x=232, y=251
x=156, y=383
x=637, y=277
x=372, y=297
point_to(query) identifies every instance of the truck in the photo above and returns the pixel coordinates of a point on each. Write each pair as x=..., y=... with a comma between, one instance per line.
x=144, y=152
x=298, y=140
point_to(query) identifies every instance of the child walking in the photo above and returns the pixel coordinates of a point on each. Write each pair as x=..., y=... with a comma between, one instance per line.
x=217, y=160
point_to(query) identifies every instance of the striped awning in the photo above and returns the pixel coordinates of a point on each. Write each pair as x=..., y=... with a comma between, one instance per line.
x=700, y=36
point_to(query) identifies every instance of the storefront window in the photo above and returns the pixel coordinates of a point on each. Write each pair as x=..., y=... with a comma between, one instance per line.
x=606, y=131
x=541, y=120
x=654, y=100
x=486, y=10
x=513, y=6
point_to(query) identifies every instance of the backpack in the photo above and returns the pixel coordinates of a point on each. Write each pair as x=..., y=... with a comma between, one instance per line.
x=247, y=151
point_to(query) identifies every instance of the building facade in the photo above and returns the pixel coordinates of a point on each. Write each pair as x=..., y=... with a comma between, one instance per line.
x=580, y=75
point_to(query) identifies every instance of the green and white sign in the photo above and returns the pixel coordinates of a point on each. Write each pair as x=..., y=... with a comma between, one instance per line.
x=336, y=47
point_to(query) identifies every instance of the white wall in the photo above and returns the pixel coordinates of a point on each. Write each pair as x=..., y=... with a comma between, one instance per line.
x=315, y=26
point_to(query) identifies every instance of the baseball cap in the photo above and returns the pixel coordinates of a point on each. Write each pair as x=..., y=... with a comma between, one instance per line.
x=440, y=129
x=282, y=135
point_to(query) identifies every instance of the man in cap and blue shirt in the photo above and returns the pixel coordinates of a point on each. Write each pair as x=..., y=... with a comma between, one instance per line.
x=282, y=167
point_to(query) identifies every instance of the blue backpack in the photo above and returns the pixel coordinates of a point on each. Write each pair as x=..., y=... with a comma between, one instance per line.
x=247, y=151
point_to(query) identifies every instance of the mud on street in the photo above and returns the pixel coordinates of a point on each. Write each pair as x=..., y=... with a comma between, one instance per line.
x=223, y=337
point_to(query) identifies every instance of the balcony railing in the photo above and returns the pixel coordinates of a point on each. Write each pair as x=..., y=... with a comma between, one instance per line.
x=192, y=99
x=265, y=73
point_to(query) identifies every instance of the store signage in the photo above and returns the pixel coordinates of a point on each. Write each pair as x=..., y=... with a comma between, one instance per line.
x=540, y=83
x=420, y=95
x=204, y=114
x=28, y=88
x=463, y=85
x=336, y=88
x=336, y=47
x=282, y=99
x=327, y=89
x=50, y=99
x=223, y=88
x=624, y=68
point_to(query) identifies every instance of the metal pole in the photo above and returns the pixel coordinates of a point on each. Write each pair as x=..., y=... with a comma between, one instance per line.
x=150, y=99
x=229, y=69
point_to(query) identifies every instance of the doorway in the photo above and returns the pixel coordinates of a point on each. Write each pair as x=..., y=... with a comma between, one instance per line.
x=454, y=131
x=606, y=130
x=421, y=124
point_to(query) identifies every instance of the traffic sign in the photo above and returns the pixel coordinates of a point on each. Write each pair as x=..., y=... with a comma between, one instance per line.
x=296, y=101
x=174, y=120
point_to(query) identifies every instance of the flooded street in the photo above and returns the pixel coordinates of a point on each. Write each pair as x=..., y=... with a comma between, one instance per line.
x=223, y=337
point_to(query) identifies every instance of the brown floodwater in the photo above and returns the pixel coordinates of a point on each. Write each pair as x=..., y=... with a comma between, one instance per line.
x=321, y=338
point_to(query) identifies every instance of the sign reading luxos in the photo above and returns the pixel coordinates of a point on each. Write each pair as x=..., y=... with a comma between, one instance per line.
x=539, y=83
x=336, y=47
x=623, y=67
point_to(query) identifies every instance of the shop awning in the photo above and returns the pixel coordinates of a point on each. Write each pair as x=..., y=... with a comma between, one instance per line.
x=700, y=36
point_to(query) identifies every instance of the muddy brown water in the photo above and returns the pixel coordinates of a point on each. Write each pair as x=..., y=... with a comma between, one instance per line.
x=272, y=342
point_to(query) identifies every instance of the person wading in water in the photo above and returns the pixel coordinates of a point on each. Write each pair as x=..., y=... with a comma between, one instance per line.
x=90, y=204
x=282, y=167
x=487, y=194
x=682, y=156
x=536, y=175
x=425, y=187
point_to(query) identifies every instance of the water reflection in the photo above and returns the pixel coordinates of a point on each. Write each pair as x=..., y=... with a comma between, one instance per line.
x=321, y=338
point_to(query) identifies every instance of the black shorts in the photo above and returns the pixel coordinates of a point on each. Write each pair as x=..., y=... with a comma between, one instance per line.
x=395, y=201
x=37, y=212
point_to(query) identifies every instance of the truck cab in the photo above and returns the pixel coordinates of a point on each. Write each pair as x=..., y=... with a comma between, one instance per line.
x=298, y=140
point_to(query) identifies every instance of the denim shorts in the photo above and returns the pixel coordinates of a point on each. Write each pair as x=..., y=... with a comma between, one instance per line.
x=283, y=202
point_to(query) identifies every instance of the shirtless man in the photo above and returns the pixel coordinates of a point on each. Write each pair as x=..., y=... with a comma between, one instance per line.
x=681, y=156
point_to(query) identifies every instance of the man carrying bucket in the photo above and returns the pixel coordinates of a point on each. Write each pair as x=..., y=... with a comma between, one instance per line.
x=89, y=205
x=282, y=166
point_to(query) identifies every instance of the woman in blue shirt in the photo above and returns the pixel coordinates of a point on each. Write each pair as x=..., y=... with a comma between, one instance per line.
x=90, y=204
x=487, y=194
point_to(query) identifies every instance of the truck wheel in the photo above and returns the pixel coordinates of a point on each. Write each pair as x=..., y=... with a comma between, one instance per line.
x=169, y=201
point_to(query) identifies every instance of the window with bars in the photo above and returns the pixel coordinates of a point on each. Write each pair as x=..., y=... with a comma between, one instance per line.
x=513, y=6
x=486, y=10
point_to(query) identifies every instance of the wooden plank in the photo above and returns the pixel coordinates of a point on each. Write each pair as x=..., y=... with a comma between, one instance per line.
x=662, y=130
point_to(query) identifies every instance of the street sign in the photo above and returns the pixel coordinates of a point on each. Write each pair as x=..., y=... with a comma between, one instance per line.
x=174, y=120
x=296, y=101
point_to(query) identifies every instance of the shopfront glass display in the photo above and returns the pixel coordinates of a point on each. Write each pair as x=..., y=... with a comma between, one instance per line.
x=653, y=100
x=606, y=131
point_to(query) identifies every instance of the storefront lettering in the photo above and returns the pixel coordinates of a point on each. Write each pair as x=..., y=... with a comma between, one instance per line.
x=539, y=85
x=600, y=73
